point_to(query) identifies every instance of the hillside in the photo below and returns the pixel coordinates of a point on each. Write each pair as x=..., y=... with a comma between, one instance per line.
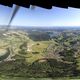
x=39, y=53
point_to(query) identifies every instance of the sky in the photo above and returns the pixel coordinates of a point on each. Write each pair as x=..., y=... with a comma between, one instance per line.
x=41, y=17
x=4, y=14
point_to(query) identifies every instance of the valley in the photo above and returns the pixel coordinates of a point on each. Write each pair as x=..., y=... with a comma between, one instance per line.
x=40, y=53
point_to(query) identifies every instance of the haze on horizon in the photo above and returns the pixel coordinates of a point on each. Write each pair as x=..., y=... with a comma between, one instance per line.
x=41, y=17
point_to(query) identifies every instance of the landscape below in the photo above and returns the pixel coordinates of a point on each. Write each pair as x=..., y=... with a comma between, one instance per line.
x=40, y=53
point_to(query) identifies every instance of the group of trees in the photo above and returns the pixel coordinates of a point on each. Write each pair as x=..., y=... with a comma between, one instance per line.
x=65, y=50
x=39, y=36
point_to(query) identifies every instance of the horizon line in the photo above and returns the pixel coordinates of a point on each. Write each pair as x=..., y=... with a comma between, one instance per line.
x=37, y=26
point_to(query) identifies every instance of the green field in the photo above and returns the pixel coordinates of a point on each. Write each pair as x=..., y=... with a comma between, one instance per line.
x=38, y=50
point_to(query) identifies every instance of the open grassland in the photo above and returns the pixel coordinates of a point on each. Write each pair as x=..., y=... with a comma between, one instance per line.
x=40, y=46
x=37, y=50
